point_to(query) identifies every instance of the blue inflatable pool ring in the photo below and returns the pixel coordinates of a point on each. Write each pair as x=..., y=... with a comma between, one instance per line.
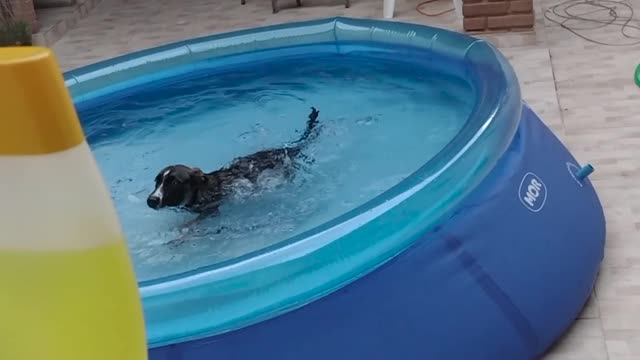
x=488, y=251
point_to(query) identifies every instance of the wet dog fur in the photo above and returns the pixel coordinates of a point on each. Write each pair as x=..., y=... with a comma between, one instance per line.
x=191, y=189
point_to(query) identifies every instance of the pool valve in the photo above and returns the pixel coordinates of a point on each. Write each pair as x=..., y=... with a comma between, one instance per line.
x=584, y=172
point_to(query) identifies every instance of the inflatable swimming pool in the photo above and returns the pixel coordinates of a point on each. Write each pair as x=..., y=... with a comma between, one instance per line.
x=488, y=251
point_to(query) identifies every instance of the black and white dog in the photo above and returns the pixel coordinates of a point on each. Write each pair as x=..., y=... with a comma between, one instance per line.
x=189, y=188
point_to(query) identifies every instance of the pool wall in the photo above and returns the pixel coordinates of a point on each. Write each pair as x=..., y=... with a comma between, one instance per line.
x=458, y=261
x=498, y=279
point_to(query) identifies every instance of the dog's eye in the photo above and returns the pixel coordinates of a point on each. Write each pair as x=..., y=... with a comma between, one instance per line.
x=174, y=181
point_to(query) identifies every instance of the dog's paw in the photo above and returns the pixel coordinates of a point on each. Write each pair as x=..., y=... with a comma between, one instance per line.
x=175, y=243
x=181, y=239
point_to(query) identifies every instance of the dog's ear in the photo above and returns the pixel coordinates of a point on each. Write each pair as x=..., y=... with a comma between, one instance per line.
x=198, y=177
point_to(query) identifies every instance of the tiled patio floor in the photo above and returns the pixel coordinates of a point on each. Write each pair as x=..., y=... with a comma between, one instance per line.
x=585, y=92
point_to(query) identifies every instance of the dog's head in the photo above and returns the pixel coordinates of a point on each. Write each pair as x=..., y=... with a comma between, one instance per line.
x=176, y=186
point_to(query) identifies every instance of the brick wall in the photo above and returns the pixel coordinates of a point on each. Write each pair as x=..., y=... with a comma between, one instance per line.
x=494, y=15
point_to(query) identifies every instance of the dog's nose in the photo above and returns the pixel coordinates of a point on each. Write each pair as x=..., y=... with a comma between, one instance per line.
x=153, y=202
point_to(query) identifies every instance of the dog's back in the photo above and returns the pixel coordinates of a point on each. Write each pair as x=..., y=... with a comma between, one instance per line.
x=250, y=166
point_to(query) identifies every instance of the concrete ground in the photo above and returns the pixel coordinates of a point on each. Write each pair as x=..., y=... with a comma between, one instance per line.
x=584, y=91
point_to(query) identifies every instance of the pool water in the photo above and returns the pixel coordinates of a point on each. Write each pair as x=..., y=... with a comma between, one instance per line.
x=380, y=121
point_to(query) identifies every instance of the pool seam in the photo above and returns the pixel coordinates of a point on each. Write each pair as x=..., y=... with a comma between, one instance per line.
x=494, y=292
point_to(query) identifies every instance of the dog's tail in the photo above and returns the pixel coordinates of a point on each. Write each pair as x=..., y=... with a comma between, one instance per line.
x=312, y=123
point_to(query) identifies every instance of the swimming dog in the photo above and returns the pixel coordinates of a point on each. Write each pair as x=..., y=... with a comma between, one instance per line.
x=189, y=188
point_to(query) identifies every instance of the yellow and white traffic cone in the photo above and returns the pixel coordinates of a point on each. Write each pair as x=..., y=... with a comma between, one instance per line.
x=67, y=286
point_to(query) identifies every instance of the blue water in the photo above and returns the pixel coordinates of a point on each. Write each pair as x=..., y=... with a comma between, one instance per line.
x=380, y=122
